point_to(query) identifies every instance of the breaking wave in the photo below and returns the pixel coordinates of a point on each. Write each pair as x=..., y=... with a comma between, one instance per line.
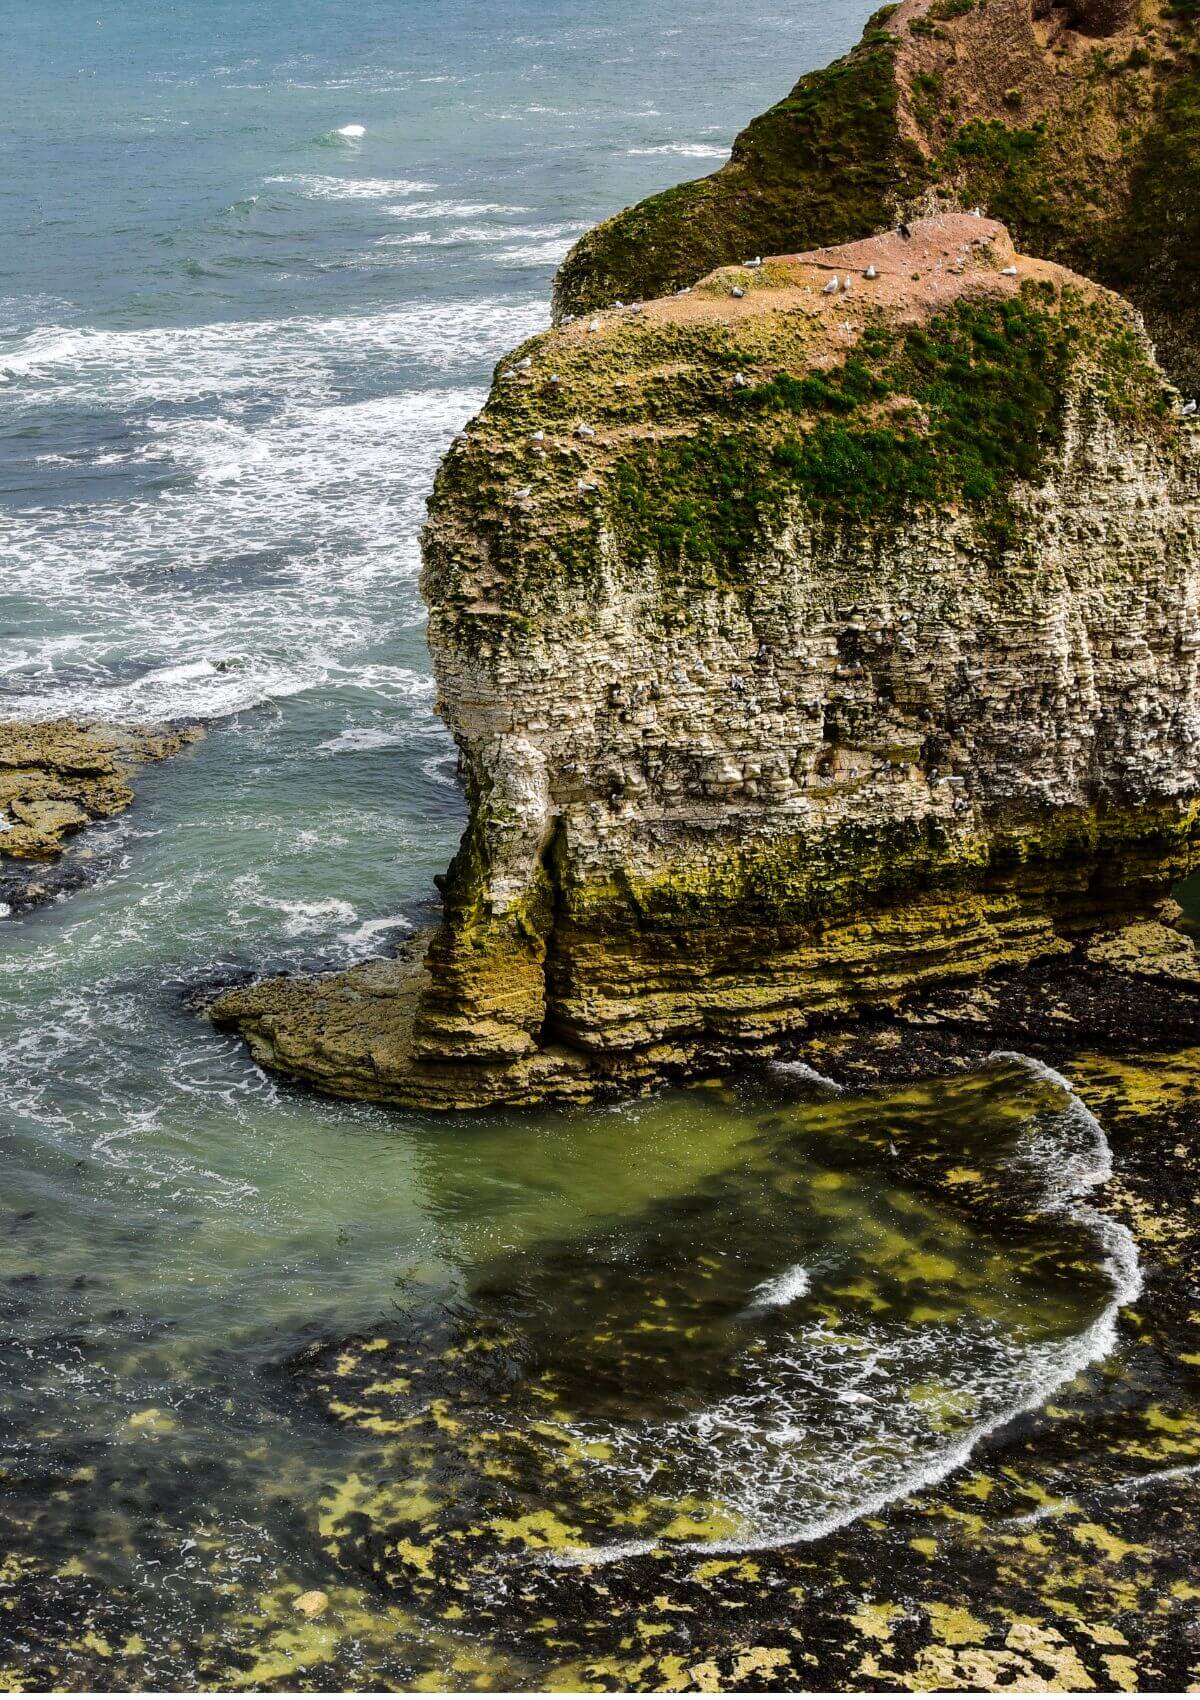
x=755, y=1454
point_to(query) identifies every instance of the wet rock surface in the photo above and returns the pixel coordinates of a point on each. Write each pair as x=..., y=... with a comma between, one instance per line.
x=56, y=778
x=449, y=1534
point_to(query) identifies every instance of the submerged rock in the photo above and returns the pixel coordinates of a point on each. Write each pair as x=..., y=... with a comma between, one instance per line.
x=778, y=701
x=1078, y=124
x=57, y=777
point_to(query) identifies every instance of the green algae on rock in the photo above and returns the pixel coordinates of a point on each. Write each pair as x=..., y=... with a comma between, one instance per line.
x=803, y=645
x=978, y=101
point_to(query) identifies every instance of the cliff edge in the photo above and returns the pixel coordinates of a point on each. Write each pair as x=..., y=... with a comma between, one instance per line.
x=1076, y=123
x=824, y=633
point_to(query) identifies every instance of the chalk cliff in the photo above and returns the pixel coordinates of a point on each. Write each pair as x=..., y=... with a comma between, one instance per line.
x=824, y=633
x=1077, y=123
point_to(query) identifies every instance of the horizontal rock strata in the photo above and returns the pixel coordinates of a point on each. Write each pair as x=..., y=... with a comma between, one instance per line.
x=830, y=631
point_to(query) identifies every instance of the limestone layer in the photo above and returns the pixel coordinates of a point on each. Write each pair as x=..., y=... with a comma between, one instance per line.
x=828, y=631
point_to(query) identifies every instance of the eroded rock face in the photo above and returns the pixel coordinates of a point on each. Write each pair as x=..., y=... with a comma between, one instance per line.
x=1076, y=123
x=804, y=644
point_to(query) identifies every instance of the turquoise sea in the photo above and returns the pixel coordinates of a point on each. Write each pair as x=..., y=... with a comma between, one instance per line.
x=236, y=334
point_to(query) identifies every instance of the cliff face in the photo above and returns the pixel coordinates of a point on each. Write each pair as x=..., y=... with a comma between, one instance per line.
x=804, y=645
x=1077, y=124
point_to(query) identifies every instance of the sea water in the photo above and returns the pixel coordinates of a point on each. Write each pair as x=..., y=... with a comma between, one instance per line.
x=256, y=266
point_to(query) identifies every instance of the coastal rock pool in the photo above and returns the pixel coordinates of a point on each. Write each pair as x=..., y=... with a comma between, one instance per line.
x=452, y=1359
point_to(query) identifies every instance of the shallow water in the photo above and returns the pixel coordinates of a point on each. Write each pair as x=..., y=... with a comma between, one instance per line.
x=233, y=344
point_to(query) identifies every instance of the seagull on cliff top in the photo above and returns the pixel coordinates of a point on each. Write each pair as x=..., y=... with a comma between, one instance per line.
x=754, y=263
x=976, y=212
x=870, y=272
x=739, y=381
x=1008, y=271
x=831, y=288
x=524, y=365
x=1189, y=407
x=595, y=325
x=737, y=291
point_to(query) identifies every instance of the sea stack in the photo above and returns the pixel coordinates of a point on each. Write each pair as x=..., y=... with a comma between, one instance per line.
x=779, y=700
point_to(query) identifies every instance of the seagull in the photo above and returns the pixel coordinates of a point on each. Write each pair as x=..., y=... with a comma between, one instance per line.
x=595, y=325
x=739, y=381
x=976, y=212
x=754, y=263
x=524, y=365
x=583, y=486
x=831, y=287
x=870, y=272
x=1189, y=407
x=538, y=437
x=523, y=490
x=554, y=378
x=1008, y=271
x=584, y=431
x=687, y=290
x=568, y=318
x=846, y=281
x=737, y=291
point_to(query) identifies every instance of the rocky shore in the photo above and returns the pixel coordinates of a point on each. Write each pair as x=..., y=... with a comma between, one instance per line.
x=57, y=777
x=1059, y=1555
x=826, y=633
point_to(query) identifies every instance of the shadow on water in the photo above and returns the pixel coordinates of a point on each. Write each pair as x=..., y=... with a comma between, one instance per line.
x=431, y=1360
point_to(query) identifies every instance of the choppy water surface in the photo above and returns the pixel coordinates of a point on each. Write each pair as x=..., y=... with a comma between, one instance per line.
x=233, y=344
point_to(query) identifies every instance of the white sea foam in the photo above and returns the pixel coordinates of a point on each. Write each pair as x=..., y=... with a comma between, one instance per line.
x=469, y=233
x=320, y=186
x=783, y=1289
x=746, y=1452
x=323, y=501
x=450, y=209
x=352, y=132
x=292, y=360
x=805, y=1071
x=536, y=253
x=363, y=738
x=687, y=150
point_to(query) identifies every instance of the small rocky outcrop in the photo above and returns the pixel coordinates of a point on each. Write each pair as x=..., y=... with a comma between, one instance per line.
x=56, y=778
x=1078, y=124
x=829, y=632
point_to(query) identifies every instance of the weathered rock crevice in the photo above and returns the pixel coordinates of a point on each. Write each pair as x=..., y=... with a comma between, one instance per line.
x=806, y=643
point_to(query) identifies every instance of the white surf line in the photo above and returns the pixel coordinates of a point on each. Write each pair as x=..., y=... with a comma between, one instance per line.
x=1118, y=1490
x=1092, y=1346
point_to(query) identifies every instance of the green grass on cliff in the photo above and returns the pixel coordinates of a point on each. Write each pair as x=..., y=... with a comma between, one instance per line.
x=956, y=411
